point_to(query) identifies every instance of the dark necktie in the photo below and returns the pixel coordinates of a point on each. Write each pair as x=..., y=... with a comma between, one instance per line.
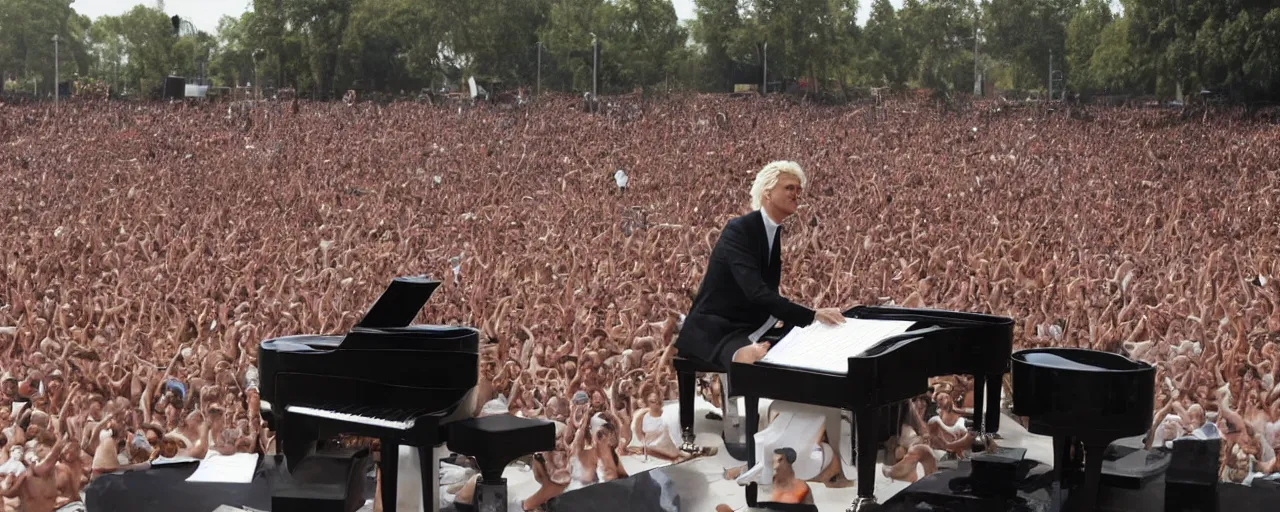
x=775, y=252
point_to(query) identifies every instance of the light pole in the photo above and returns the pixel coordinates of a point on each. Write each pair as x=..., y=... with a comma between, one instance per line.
x=977, y=77
x=55, y=72
x=764, y=75
x=538, y=88
x=255, y=85
x=595, y=66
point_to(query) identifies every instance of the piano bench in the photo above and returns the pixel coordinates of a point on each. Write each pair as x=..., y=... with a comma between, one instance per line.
x=331, y=481
x=1191, y=481
x=496, y=441
x=782, y=507
x=694, y=366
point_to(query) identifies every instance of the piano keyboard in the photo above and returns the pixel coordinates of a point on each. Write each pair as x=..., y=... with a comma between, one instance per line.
x=351, y=418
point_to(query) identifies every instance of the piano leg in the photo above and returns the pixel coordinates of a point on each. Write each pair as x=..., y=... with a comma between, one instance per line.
x=995, y=386
x=753, y=424
x=296, y=442
x=864, y=442
x=430, y=472
x=1092, y=476
x=979, y=404
x=686, y=382
x=390, y=466
x=1061, y=470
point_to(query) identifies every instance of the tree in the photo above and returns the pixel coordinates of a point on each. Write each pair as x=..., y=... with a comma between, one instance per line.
x=1113, y=65
x=716, y=28
x=232, y=64
x=1191, y=44
x=392, y=45
x=149, y=47
x=567, y=37
x=1024, y=33
x=106, y=44
x=887, y=61
x=649, y=37
x=1083, y=36
x=27, y=28
x=498, y=41
x=942, y=31
x=322, y=23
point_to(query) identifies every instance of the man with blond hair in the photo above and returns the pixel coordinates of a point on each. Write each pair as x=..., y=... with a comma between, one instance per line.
x=738, y=302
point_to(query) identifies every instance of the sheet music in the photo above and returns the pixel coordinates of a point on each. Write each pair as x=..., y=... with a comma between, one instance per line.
x=181, y=459
x=231, y=469
x=828, y=348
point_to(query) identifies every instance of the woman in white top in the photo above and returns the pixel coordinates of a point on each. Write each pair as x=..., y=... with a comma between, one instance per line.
x=947, y=431
x=651, y=430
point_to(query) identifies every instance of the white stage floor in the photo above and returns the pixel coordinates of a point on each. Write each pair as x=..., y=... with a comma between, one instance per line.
x=704, y=486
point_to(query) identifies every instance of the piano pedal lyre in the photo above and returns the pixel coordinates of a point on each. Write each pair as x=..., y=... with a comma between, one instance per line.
x=862, y=504
x=983, y=442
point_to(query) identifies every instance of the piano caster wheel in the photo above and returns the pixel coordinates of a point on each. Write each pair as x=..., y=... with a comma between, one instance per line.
x=491, y=496
x=863, y=504
x=983, y=443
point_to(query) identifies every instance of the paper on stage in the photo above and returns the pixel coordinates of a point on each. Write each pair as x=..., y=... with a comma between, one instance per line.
x=826, y=348
x=229, y=469
x=181, y=459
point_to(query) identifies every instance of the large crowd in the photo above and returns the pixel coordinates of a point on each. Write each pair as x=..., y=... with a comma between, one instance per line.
x=148, y=248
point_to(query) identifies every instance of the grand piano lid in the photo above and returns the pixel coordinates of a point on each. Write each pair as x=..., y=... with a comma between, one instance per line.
x=941, y=316
x=400, y=303
x=1079, y=360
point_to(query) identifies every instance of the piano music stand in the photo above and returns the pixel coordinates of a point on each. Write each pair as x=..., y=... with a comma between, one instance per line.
x=880, y=380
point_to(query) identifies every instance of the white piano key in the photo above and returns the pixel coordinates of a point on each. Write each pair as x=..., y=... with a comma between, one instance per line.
x=363, y=420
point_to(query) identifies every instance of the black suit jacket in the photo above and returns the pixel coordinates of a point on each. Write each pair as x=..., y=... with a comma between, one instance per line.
x=739, y=290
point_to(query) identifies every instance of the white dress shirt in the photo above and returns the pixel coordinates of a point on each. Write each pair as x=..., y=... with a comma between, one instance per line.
x=770, y=229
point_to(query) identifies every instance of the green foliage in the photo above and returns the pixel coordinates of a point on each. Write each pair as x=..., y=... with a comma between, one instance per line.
x=27, y=51
x=1024, y=33
x=889, y=60
x=391, y=45
x=719, y=30
x=1114, y=65
x=323, y=47
x=567, y=36
x=1084, y=33
x=1215, y=44
x=943, y=30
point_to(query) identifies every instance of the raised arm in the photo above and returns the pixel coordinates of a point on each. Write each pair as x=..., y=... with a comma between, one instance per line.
x=66, y=403
x=13, y=485
x=1159, y=418
x=579, y=437
x=50, y=460
x=200, y=447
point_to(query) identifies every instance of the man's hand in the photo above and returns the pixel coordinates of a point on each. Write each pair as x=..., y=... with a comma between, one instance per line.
x=829, y=316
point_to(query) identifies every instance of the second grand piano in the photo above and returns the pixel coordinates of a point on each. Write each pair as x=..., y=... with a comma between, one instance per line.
x=386, y=379
x=881, y=378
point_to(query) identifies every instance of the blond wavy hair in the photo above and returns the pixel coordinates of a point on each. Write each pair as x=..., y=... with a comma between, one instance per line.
x=767, y=178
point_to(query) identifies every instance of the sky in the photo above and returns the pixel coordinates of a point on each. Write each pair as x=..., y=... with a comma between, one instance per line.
x=204, y=14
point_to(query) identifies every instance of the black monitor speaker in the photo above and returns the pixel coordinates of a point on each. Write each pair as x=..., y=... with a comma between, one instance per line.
x=175, y=87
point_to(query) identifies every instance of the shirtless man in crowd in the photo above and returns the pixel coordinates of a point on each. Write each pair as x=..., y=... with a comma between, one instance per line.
x=38, y=486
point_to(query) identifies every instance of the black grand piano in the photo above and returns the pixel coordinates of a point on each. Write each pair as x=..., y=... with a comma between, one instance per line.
x=880, y=380
x=1085, y=400
x=386, y=379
